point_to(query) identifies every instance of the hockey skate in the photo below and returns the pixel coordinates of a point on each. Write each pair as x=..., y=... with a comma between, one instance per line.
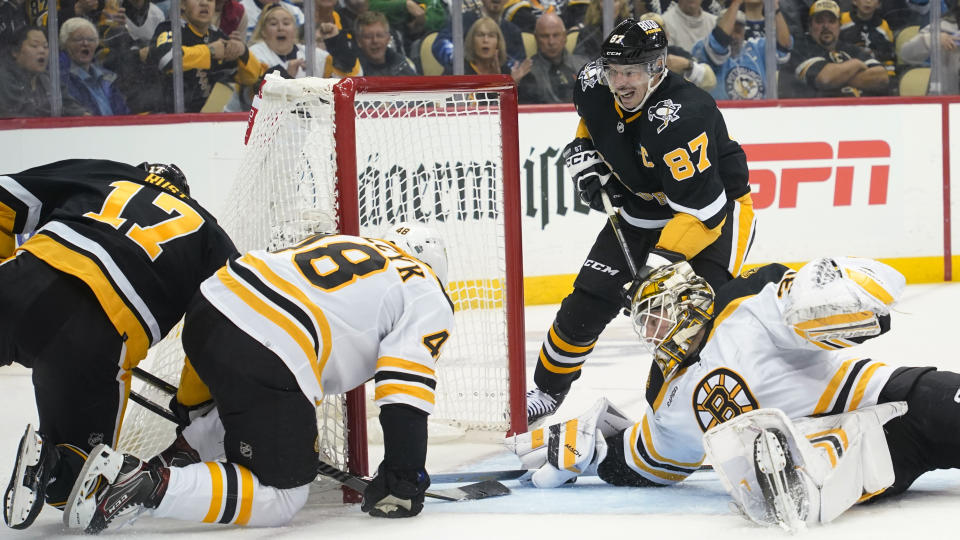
x=782, y=487
x=540, y=405
x=24, y=498
x=113, y=486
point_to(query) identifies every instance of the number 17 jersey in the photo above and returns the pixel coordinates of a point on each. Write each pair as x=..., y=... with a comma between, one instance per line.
x=140, y=243
x=339, y=310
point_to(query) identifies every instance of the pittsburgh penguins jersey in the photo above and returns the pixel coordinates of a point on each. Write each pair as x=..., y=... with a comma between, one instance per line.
x=339, y=310
x=142, y=245
x=674, y=155
x=750, y=359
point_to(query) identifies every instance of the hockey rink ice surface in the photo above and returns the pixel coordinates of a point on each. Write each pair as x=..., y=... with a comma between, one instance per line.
x=924, y=332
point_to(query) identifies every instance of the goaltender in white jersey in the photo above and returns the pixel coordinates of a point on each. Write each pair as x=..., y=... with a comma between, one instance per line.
x=268, y=336
x=770, y=339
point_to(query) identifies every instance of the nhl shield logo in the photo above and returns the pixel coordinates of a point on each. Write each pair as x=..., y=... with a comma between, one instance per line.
x=666, y=111
x=95, y=439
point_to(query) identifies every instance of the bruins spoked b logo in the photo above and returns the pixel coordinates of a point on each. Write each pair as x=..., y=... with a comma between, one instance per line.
x=720, y=396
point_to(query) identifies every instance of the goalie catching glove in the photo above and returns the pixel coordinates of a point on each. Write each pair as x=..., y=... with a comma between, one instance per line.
x=591, y=174
x=566, y=450
x=838, y=302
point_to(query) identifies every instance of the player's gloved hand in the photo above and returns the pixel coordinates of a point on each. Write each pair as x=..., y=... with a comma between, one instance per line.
x=566, y=450
x=395, y=494
x=591, y=174
x=187, y=413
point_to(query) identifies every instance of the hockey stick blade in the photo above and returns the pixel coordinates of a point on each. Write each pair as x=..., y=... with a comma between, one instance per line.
x=506, y=474
x=470, y=492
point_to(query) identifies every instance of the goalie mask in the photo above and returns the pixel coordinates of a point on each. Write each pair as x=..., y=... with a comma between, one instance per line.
x=634, y=61
x=423, y=243
x=668, y=311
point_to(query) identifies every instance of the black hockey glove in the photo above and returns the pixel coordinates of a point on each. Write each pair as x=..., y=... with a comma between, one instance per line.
x=395, y=494
x=591, y=174
x=187, y=413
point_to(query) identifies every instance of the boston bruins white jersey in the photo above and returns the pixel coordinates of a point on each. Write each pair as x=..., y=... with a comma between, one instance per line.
x=340, y=310
x=751, y=359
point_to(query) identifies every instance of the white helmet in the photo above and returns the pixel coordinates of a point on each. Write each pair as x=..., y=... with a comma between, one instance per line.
x=423, y=243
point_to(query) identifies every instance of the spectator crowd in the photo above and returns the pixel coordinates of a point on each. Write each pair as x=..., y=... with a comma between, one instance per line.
x=115, y=56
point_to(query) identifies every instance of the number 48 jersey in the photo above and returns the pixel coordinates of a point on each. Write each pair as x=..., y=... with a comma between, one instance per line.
x=340, y=310
x=140, y=243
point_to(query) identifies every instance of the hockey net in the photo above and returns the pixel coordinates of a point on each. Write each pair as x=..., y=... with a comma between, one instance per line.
x=355, y=156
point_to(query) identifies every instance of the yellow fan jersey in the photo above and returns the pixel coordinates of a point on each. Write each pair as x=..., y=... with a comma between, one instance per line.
x=340, y=310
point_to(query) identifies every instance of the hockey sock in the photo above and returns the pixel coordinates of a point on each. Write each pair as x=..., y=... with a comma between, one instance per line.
x=227, y=493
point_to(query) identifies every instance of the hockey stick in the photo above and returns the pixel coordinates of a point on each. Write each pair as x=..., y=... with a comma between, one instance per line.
x=637, y=275
x=505, y=474
x=477, y=491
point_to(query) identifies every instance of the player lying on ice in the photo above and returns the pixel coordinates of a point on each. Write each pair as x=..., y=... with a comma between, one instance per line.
x=270, y=334
x=827, y=429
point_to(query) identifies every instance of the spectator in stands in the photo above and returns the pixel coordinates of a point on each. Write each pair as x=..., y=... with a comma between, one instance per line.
x=376, y=57
x=253, y=8
x=443, y=45
x=231, y=18
x=682, y=62
x=413, y=18
x=275, y=44
x=864, y=27
x=143, y=16
x=917, y=49
x=332, y=36
x=24, y=82
x=90, y=84
x=823, y=66
x=755, y=25
x=740, y=62
x=591, y=34
x=572, y=13
x=209, y=57
x=13, y=17
x=688, y=23
x=553, y=71
x=485, y=52
x=523, y=13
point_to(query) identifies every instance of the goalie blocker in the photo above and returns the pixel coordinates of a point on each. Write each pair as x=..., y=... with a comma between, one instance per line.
x=776, y=338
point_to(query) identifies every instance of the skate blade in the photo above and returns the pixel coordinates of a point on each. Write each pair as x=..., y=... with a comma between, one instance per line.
x=19, y=510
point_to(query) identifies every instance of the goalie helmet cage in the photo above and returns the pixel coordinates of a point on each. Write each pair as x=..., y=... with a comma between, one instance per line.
x=437, y=150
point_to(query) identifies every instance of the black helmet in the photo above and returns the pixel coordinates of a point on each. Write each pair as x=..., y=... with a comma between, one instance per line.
x=169, y=172
x=634, y=42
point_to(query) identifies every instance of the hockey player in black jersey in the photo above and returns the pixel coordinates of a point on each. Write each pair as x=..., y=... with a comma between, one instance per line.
x=658, y=146
x=115, y=255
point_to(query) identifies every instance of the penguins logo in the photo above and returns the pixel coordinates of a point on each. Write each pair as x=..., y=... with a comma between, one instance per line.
x=665, y=111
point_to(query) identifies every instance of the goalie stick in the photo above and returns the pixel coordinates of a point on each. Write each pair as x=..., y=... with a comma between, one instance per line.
x=504, y=474
x=471, y=492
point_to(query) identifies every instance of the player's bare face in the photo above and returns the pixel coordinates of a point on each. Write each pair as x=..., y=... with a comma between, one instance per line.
x=628, y=83
x=655, y=326
x=825, y=27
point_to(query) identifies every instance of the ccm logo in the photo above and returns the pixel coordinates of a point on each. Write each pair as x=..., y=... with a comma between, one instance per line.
x=876, y=155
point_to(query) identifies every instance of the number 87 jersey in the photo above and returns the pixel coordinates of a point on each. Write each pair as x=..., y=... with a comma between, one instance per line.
x=340, y=310
x=140, y=243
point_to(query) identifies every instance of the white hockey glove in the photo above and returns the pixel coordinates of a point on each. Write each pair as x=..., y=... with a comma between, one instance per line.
x=787, y=474
x=590, y=174
x=839, y=302
x=566, y=450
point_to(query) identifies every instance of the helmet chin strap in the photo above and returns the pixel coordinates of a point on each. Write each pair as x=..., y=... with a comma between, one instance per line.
x=651, y=86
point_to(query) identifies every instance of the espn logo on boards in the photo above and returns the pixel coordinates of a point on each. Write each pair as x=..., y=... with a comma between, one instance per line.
x=827, y=162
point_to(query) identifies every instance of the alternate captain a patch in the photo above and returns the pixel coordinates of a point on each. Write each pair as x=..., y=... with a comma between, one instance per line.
x=720, y=396
x=666, y=111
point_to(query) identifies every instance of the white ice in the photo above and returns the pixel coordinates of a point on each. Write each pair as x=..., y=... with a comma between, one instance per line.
x=923, y=332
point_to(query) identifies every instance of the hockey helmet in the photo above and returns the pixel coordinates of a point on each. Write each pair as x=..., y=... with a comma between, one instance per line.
x=169, y=172
x=634, y=42
x=669, y=310
x=422, y=242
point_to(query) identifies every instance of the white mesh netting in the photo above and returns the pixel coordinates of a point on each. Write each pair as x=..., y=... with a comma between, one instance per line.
x=431, y=157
